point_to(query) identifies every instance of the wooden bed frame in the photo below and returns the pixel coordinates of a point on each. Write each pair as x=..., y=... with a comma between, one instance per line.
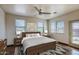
x=35, y=50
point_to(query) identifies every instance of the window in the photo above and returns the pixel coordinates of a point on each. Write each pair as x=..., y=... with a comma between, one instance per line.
x=20, y=26
x=53, y=26
x=42, y=26
x=45, y=27
x=57, y=26
x=60, y=27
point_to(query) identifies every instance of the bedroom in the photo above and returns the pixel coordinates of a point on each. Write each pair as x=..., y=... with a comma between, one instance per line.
x=53, y=21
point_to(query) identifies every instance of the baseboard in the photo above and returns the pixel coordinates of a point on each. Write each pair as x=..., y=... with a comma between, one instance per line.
x=63, y=43
x=68, y=45
x=13, y=45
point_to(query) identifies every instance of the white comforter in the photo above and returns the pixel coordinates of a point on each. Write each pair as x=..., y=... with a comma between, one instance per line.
x=33, y=41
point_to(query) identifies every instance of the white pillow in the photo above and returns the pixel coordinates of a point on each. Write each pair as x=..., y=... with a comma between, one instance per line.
x=28, y=35
x=38, y=34
x=32, y=35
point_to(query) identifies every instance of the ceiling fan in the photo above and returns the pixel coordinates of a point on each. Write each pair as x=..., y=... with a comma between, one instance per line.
x=40, y=11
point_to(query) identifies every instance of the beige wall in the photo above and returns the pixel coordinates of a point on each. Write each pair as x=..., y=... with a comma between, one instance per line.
x=2, y=24
x=66, y=18
x=10, y=26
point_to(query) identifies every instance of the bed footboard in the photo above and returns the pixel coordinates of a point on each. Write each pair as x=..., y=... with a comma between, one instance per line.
x=35, y=50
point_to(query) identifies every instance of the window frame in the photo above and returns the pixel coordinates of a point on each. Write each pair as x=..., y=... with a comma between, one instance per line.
x=53, y=27
x=24, y=27
x=40, y=27
x=59, y=28
x=44, y=26
x=56, y=26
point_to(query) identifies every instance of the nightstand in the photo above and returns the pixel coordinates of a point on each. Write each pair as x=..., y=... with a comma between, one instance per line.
x=17, y=41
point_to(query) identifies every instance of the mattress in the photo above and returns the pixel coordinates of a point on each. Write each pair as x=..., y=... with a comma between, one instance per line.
x=33, y=41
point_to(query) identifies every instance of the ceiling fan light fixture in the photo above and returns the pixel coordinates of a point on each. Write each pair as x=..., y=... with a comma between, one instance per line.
x=55, y=12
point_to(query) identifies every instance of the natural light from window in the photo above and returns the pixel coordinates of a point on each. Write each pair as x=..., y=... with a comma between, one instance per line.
x=57, y=26
x=20, y=26
x=75, y=32
x=42, y=26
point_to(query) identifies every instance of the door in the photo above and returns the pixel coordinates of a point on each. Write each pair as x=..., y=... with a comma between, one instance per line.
x=74, y=30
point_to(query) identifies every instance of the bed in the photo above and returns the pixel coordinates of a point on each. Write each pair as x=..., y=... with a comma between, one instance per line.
x=36, y=44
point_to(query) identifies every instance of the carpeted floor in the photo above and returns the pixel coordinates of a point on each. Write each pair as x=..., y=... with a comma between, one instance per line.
x=60, y=50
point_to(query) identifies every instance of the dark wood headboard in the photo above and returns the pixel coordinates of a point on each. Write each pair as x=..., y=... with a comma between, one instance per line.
x=24, y=33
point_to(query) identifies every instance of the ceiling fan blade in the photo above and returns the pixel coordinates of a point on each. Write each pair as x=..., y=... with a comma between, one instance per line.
x=45, y=13
x=39, y=10
x=40, y=13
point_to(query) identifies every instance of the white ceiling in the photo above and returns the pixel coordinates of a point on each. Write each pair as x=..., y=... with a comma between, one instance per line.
x=29, y=10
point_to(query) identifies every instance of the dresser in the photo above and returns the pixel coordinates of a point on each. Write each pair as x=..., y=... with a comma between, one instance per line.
x=3, y=46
